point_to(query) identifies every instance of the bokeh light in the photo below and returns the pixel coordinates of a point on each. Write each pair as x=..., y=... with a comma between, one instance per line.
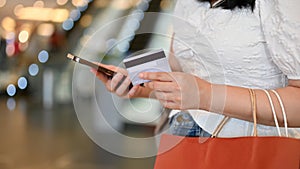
x=33, y=69
x=45, y=29
x=124, y=46
x=143, y=5
x=83, y=8
x=78, y=3
x=68, y=24
x=138, y=14
x=39, y=4
x=2, y=3
x=75, y=14
x=110, y=43
x=10, y=49
x=11, y=90
x=86, y=20
x=17, y=9
x=23, y=36
x=8, y=24
x=61, y=2
x=22, y=83
x=133, y=24
x=11, y=104
x=43, y=56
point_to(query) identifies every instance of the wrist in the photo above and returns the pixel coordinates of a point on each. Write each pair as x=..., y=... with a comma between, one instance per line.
x=204, y=89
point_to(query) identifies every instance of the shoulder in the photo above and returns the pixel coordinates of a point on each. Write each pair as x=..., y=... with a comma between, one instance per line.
x=281, y=26
x=287, y=10
x=184, y=7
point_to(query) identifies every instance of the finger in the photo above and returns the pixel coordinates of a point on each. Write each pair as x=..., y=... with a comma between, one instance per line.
x=169, y=104
x=123, y=71
x=167, y=96
x=133, y=91
x=122, y=90
x=110, y=67
x=163, y=86
x=113, y=68
x=99, y=75
x=116, y=81
x=157, y=76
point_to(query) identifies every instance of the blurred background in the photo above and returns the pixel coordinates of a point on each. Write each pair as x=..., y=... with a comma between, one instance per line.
x=39, y=127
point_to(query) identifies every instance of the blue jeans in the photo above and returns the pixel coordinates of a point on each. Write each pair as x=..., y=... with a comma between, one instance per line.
x=182, y=124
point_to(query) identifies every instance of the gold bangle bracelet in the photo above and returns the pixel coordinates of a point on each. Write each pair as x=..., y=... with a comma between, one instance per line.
x=253, y=110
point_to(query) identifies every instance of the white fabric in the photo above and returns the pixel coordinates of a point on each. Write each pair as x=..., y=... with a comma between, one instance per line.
x=229, y=47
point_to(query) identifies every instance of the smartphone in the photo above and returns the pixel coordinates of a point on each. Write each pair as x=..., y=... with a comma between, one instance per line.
x=109, y=73
x=101, y=69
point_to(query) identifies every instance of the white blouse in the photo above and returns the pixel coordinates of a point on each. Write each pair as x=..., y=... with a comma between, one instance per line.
x=256, y=49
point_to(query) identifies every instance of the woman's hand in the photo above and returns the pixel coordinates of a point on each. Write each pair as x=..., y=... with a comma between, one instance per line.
x=177, y=90
x=120, y=82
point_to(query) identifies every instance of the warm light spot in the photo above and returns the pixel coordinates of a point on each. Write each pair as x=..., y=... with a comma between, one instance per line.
x=23, y=46
x=121, y=4
x=165, y=4
x=2, y=3
x=17, y=9
x=78, y=3
x=8, y=24
x=86, y=20
x=61, y=2
x=39, y=4
x=23, y=36
x=45, y=29
x=102, y=3
x=60, y=15
x=43, y=14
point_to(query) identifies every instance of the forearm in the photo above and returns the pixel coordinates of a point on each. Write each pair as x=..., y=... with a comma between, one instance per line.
x=235, y=102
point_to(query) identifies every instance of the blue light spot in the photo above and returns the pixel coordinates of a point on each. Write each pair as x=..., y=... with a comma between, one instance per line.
x=22, y=83
x=143, y=5
x=124, y=46
x=83, y=8
x=11, y=104
x=138, y=14
x=133, y=24
x=11, y=90
x=75, y=14
x=33, y=69
x=43, y=56
x=68, y=24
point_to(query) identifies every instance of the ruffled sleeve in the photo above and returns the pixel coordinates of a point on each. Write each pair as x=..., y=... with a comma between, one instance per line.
x=181, y=8
x=281, y=26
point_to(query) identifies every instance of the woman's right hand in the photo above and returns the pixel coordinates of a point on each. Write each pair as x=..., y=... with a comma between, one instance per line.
x=119, y=83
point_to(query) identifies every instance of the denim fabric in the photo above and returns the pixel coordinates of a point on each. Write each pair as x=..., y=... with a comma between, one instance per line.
x=182, y=124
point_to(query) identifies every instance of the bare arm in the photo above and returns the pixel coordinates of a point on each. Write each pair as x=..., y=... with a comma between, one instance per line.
x=177, y=90
x=235, y=102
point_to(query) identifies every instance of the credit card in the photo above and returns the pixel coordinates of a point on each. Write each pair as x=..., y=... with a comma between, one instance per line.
x=152, y=61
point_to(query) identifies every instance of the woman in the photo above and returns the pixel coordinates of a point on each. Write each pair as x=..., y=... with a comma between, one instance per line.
x=256, y=45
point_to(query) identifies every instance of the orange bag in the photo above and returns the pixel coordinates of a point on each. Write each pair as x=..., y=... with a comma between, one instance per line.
x=231, y=153
x=177, y=152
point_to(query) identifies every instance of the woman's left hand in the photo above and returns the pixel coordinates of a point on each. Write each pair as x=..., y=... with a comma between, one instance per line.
x=177, y=90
